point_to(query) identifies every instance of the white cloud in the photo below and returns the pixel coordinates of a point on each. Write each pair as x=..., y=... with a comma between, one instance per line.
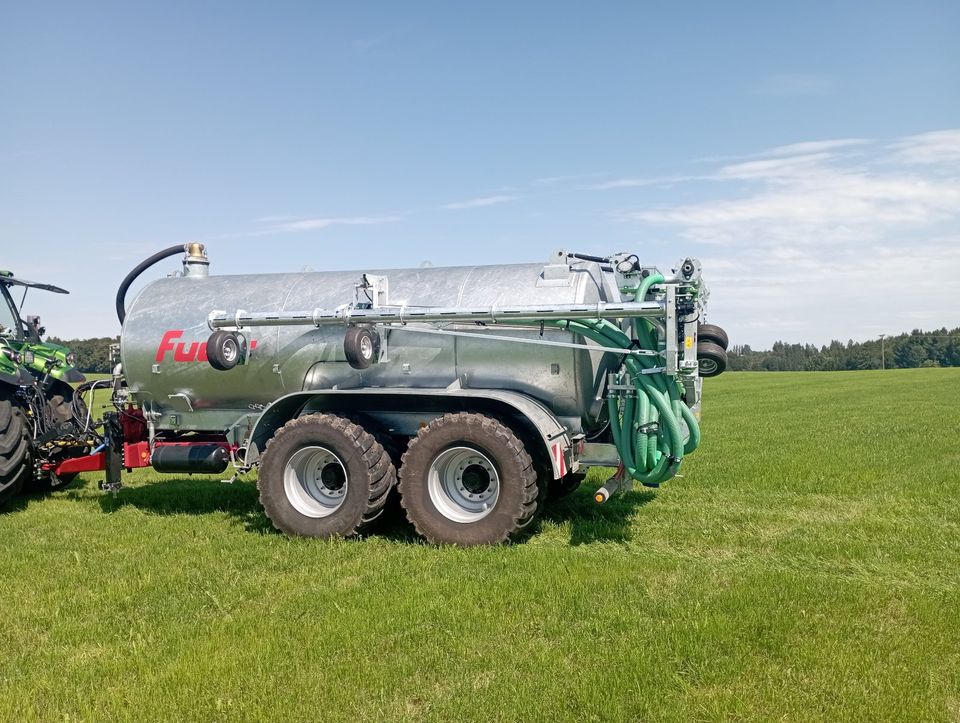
x=807, y=200
x=280, y=224
x=640, y=182
x=808, y=246
x=480, y=202
x=764, y=163
x=312, y=224
x=803, y=147
x=937, y=147
x=274, y=219
x=773, y=168
x=561, y=180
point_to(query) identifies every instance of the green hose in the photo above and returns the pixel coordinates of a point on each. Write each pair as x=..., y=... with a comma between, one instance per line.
x=645, y=425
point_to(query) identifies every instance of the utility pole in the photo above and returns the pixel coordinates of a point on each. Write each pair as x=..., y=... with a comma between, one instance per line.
x=883, y=358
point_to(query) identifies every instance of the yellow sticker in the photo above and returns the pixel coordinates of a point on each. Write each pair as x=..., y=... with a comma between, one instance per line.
x=688, y=342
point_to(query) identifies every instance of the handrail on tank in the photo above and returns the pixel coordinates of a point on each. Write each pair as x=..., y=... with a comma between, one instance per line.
x=412, y=314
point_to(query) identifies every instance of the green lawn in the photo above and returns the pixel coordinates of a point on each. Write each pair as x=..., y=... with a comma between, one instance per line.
x=807, y=566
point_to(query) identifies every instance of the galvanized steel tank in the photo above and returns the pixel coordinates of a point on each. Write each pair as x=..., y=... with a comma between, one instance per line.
x=165, y=332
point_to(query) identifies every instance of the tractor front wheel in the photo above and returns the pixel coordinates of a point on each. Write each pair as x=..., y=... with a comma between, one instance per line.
x=14, y=448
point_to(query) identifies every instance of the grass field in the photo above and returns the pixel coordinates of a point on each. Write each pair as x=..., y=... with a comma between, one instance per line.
x=807, y=566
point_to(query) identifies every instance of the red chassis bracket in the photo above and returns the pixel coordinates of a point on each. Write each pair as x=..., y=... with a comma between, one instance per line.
x=134, y=455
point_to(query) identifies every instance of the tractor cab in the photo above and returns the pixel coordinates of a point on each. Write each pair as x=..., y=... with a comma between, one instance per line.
x=22, y=338
x=12, y=325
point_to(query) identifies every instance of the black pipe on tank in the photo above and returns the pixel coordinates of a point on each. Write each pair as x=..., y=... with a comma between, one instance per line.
x=139, y=269
x=194, y=458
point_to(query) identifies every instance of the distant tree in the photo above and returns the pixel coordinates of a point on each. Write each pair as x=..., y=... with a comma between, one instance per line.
x=93, y=355
x=940, y=347
x=910, y=353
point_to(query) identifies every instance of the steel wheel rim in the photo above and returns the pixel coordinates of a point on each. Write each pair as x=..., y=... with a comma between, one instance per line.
x=315, y=481
x=366, y=347
x=463, y=484
x=708, y=366
x=230, y=350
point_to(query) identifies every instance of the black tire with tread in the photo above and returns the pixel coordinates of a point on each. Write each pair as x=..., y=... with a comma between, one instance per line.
x=714, y=333
x=15, y=458
x=370, y=475
x=710, y=352
x=517, y=503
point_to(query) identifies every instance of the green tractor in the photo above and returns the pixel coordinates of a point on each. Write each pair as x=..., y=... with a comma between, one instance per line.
x=43, y=418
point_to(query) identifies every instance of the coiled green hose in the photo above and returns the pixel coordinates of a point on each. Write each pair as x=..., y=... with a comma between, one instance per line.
x=645, y=425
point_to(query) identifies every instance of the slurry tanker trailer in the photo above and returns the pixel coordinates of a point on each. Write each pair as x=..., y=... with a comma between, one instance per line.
x=473, y=393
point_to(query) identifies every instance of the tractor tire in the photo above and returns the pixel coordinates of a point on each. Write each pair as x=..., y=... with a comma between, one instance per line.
x=466, y=479
x=714, y=333
x=59, y=413
x=59, y=407
x=566, y=485
x=15, y=459
x=324, y=476
x=711, y=358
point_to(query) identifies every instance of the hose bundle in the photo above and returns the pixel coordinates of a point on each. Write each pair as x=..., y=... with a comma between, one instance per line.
x=645, y=424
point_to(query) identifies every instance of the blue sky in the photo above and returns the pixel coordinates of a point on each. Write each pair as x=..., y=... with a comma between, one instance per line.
x=809, y=153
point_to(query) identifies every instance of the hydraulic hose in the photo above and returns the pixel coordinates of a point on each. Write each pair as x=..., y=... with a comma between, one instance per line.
x=139, y=269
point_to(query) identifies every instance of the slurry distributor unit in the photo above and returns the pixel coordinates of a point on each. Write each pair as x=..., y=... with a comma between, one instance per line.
x=472, y=393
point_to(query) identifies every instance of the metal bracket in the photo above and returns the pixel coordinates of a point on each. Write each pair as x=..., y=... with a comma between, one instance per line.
x=184, y=397
x=671, y=330
x=371, y=292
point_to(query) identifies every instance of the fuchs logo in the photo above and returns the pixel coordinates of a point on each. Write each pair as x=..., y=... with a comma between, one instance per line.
x=195, y=352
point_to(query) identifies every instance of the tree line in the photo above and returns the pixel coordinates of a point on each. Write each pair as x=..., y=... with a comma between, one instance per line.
x=938, y=348
x=93, y=355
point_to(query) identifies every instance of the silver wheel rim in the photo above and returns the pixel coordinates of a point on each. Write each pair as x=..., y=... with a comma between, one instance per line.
x=315, y=481
x=230, y=350
x=366, y=347
x=709, y=366
x=463, y=484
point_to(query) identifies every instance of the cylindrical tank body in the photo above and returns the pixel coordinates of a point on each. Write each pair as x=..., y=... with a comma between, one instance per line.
x=165, y=332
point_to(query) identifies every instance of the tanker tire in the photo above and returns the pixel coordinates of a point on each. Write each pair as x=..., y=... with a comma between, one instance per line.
x=516, y=504
x=391, y=512
x=224, y=350
x=566, y=485
x=714, y=333
x=15, y=460
x=369, y=476
x=361, y=346
x=712, y=359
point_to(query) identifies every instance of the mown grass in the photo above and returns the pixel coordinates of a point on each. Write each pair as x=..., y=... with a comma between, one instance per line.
x=807, y=566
